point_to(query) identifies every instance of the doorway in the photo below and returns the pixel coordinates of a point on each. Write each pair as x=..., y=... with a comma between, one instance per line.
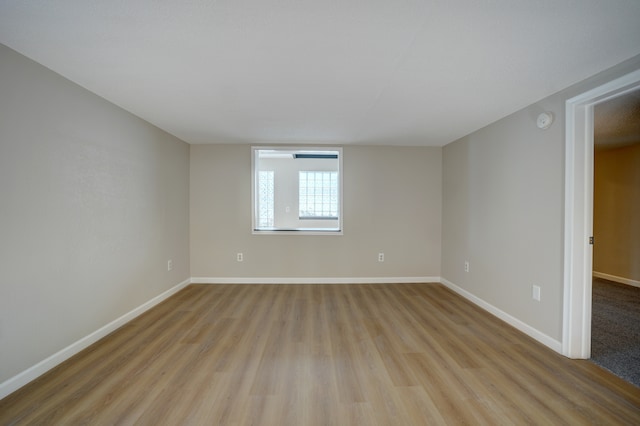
x=578, y=220
x=615, y=337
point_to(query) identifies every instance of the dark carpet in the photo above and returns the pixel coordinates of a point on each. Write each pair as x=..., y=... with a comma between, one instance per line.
x=615, y=329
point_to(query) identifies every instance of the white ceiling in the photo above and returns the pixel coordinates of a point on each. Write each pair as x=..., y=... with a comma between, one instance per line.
x=406, y=72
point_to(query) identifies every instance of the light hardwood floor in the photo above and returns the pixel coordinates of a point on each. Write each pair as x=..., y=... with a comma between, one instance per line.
x=403, y=354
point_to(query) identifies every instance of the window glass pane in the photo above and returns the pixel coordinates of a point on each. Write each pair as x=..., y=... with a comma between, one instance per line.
x=296, y=190
x=318, y=194
x=265, y=199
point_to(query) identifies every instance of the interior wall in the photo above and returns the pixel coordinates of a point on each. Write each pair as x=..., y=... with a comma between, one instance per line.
x=502, y=213
x=392, y=204
x=503, y=210
x=93, y=202
x=616, y=213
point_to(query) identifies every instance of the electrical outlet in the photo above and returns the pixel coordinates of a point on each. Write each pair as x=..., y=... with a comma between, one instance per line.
x=380, y=257
x=466, y=266
x=169, y=265
x=239, y=257
x=536, y=292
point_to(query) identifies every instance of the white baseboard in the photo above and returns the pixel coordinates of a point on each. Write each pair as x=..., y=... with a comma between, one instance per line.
x=613, y=278
x=350, y=280
x=523, y=327
x=21, y=379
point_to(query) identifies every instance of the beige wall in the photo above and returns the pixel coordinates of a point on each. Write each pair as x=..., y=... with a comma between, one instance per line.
x=616, y=213
x=502, y=213
x=503, y=210
x=93, y=202
x=392, y=204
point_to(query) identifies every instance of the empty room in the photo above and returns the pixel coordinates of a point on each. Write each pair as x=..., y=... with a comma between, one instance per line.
x=297, y=213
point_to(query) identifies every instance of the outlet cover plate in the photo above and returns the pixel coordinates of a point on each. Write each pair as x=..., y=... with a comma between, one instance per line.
x=536, y=293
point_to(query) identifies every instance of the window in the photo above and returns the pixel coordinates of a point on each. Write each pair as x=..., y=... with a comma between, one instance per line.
x=318, y=195
x=297, y=190
x=265, y=199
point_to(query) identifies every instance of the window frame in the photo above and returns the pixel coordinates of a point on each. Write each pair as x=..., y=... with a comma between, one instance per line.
x=256, y=230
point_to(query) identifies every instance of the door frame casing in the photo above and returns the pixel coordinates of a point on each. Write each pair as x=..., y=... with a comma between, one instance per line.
x=578, y=212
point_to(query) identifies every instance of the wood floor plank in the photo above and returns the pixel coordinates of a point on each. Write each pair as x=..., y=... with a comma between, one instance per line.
x=404, y=354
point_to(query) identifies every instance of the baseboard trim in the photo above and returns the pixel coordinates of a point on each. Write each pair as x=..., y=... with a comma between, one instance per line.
x=345, y=280
x=16, y=382
x=613, y=278
x=514, y=322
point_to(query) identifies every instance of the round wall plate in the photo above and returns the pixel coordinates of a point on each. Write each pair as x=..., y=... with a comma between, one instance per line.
x=544, y=120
